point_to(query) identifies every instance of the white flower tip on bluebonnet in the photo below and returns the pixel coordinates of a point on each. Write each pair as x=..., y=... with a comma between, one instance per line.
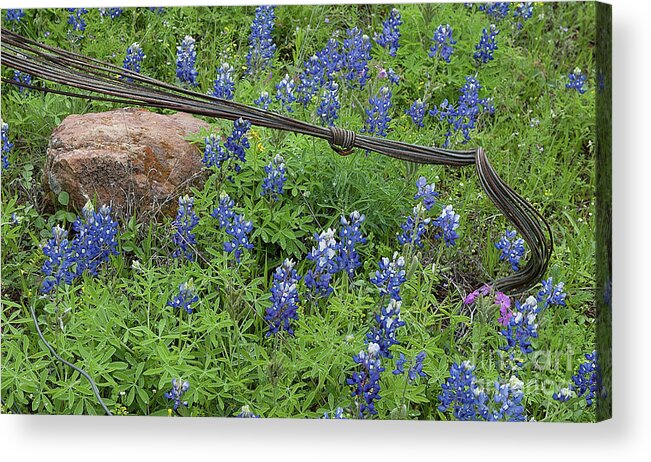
x=373, y=349
x=224, y=195
x=515, y=383
x=531, y=301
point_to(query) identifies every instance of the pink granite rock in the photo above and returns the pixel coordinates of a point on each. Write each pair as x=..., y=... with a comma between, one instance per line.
x=133, y=159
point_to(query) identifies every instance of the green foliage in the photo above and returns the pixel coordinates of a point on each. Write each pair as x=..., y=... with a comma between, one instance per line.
x=118, y=326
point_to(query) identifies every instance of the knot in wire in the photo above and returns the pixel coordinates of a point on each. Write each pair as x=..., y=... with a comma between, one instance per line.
x=343, y=141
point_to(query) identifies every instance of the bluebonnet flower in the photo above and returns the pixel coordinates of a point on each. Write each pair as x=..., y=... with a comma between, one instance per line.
x=214, y=154
x=577, y=80
x=464, y=116
x=176, y=393
x=285, y=93
x=377, y=117
x=261, y=45
x=496, y=10
x=95, y=239
x=442, y=43
x=391, y=276
x=237, y=143
x=14, y=15
x=245, y=413
x=132, y=60
x=356, y=54
x=415, y=366
x=417, y=112
x=76, y=19
x=310, y=80
x=224, y=86
x=185, y=298
x=274, y=182
x=511, y=249
x=186, y=59
x=508, y=401
x=426, y=192
x=393, y=77
x=522, y=12
x=325, y=256
x=414, y=228
x=263, y=101
x=59, y=260
x=487, y=44
x=111, y=12
x=390, y=35
x=350, y=234
x=522, y=327
x=184, y=223
x=550, y=294
x=331, y=58
x=563, y=395
x=384, y=332
x=239, y=230
x=329, y=106
x=586, y=379
x=284, y=299
x=224, y=212
x=156, y=9
x=446, y=225
x=338, y=414
x=6, y=145
x=366, y=382
x=461, y=393
x=23, y=78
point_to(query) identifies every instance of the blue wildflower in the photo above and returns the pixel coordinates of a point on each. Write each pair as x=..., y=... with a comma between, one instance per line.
x=495, y=10
x=522, y=326
x=507, y=401
x=329, y=106
x=310, y=80
x=274, y=182
x=415, y=366
x=417, y=112
x=377, y=117
x=550, y=294
x=111, y=12
x=6, y=145
x=133, y=59
x=185, y=298
x=577, y=80
x=442, y=43
x=224, y=212
x=414, y=228
x=76, y=19
x=426, y=192
x=511, y=249
x=446, y=225
x=285, y=93
x=176, y=393
x=563, y=395
x=95, y=239
x=245, y=413
x=356, y=54
x=586, y=380
x=463, y=117
x=384, y=332
x=487, y=44
x=261, y=45
x=461, y=393
x=390, y=36
x=338, y=414
x=224, y=86
x=22, y=78
x=186, y=58
x=350, y=234
x=325, y=256
x=184, y=223
x=284, y=299
x=330, y=58
x=522, y=12
x=239, y=230
x=390, y=277
x=14, y=15
x=237, y=143
x=263, y=101
x=59, y=261
x=156, y=9
x=214, y=154
x=366, y=382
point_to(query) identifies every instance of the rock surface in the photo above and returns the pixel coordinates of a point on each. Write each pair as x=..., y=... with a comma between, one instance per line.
x=135, y=160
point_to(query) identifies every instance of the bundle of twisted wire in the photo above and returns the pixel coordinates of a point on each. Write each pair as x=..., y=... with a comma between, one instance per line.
x=106, y=82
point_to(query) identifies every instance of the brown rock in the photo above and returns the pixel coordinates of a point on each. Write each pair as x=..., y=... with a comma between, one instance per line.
x=133, y=159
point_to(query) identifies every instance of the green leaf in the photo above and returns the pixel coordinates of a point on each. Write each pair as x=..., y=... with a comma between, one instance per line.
x=64, y=198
